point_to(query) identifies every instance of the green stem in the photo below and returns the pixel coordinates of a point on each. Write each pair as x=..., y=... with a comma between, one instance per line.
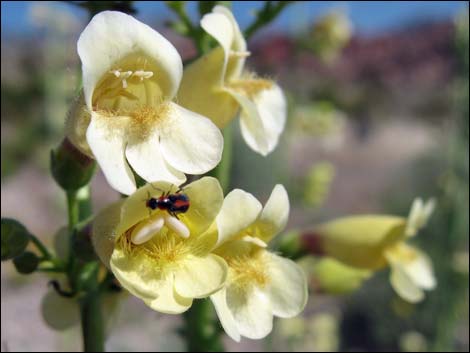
x=73, y=208
x=92, y=322
x=195, y=33
x=201, y=330
x=222, y=171
x=41, y=247
x=267, y=14
x=90, y=304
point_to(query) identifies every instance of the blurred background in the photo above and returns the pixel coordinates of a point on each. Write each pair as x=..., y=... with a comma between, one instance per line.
x=378, y=98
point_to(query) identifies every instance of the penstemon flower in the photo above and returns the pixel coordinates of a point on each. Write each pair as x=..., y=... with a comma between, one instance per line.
x=126, y=114
x=375, y=241
x=217, y=86
x=260, y=284
x=159, y=257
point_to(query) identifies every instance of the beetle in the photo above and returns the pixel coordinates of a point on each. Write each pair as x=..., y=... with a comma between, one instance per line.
x=174, y=204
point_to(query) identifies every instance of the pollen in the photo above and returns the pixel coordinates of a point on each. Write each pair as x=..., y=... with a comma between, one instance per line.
x=251, y=86
x=249, y=270
x=146, y=118
x=165, y=250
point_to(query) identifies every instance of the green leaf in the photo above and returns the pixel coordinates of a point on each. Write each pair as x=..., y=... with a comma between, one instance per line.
x=14, y=238
x=206, y=6
x=177, y=6
x=26, y=263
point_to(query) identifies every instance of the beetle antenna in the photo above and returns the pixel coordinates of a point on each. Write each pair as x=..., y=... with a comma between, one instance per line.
x=155, y=188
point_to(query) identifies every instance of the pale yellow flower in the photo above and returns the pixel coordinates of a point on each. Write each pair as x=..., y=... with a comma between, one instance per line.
x=126, y=115
x=159, y=258
x=331, y=33
x=217, y=86
x=260, y=284
x=374, y=241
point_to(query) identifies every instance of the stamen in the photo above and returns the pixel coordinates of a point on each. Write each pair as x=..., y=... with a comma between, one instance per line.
x=125, y=76
x=143, y=234
x=128, y=74
x=240, y=54
x=177, y=226
x=143, y=74
x=256, y=241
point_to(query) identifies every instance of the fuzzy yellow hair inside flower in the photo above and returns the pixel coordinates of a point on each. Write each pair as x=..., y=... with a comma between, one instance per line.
x=160, y=256
x=260, y=284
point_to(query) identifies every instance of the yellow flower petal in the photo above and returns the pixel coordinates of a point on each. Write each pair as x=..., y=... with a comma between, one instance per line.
x=224, y=314
x=360, y=241
x=271, y=108
x=138, y=274
x=205, y=197
x=251, y=310
x=287, y=288
x=168, y=300
x=201, y=87
x=404, y=285
x=239, y=210
x=145, y=157
x=419, y=215
x=112, y=36
x=191, y=142
x=222, y=26
x=274, y=216
x=104, y=231
x=251, y=124
x=411, y=272
x=200, y=276
x=107, y=144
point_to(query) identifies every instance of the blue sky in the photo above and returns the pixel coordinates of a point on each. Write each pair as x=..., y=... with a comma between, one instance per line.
x=368, y=17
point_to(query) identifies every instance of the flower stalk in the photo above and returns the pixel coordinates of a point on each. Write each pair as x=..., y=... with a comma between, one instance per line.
x=92, y=322
x=201, y=330
x=222, y=171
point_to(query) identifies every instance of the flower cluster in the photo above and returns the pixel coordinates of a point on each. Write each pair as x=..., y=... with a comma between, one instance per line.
x=169, y=243
x=217, y=248
x=127, y=119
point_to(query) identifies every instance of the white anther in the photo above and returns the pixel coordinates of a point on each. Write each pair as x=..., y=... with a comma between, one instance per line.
x=177, y=226
x=125, y=76
x=256, y=241
x=116, y=73
x=142, y=234
x=240, y=54
x=143, y=74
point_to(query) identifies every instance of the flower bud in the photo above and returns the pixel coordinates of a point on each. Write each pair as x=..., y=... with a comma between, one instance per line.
x=70, y=167
x=26, y=263
x=360, y=241
x=333, y=277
